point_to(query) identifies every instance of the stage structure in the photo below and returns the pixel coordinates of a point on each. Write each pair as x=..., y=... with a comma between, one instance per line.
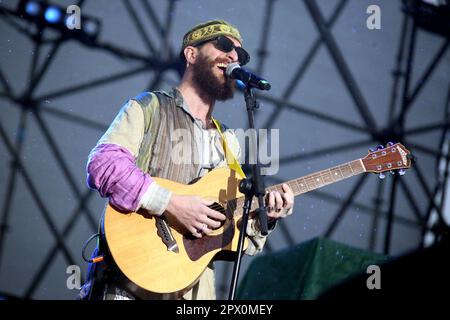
x=43, y=24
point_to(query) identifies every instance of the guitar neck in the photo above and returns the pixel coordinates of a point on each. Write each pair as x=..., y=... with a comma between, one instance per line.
x=316, y=180
x=322, y=178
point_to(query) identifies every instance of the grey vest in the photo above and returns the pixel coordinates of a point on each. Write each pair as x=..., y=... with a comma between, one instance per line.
x=156, y=151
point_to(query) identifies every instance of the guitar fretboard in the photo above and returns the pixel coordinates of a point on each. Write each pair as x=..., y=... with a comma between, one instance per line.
x=315, y=180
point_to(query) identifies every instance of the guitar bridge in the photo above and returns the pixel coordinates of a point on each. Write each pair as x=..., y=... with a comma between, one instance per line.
x=166, y=235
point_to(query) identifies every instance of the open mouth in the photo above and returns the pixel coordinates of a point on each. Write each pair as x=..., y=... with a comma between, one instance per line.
x=222, y=66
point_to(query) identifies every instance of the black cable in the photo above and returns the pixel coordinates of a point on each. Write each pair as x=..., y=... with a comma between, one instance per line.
x=83, y=249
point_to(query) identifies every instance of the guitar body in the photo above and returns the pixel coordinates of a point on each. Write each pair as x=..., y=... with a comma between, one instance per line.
x=144, y=258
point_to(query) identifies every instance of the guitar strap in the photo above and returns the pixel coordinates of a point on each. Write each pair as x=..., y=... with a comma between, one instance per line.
x=231, y=158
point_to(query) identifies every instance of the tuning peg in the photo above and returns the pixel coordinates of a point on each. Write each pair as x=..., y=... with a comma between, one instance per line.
x=390, y=144
x=372, y=150
x=392, y=172
x=402, y=172
x=380, y=146
x=381, y=176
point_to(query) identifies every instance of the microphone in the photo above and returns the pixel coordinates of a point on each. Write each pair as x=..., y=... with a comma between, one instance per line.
x=235, y=71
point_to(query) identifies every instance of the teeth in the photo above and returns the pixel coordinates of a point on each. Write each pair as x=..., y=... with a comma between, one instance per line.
x=222, y=65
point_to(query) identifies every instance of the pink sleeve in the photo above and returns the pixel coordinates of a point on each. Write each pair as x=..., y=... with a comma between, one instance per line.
x=112, y=170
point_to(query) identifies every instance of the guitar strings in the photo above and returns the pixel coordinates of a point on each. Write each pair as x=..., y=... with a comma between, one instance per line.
x=232, y=205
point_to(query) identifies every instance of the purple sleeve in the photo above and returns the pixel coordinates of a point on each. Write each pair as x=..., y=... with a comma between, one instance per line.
x=112, y=170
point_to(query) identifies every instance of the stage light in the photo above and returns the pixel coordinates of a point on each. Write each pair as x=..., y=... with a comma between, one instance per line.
x=91, y=27
x=50, y=15
x=53, y=14
x=33, y=8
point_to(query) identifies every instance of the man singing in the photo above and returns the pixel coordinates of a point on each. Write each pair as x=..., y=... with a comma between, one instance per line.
x=138, y=146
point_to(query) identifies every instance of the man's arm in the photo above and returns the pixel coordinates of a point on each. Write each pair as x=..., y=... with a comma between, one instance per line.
x=112, y=168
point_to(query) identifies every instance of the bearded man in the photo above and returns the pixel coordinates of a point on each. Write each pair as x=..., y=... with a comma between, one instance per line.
x=139, y=145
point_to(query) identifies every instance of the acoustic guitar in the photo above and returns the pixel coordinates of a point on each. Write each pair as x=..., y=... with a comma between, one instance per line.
x=158, y=256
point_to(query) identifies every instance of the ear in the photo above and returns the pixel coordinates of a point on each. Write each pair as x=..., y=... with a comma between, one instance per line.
x=190, y=53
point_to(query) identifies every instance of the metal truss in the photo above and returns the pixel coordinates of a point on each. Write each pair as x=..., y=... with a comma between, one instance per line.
x=393, y=130
x=159, y=60
x=156, y=61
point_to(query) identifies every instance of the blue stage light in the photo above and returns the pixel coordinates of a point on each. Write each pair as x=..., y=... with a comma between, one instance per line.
x=91, y=28
x=53, y=14
x=32, y=8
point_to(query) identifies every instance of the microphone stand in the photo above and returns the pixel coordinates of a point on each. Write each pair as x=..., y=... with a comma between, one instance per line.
x=250, y=187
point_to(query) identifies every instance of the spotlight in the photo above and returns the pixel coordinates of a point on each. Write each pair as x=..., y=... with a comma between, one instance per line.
x=53, y=14
x=91, y=27
x=44, y=14
x=33, y=8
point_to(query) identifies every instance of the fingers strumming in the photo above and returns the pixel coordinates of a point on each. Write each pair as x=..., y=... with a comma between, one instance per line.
x=195, y=232
x=214, y=214
x=212, y=224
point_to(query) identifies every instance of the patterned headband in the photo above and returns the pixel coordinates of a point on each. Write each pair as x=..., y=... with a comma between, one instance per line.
x=209, y=30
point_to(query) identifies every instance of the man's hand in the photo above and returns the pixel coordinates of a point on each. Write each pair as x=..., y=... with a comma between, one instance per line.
x=193, y=213
x=280, y=205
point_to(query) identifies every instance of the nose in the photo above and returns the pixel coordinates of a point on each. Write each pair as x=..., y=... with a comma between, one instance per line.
x=232, y=55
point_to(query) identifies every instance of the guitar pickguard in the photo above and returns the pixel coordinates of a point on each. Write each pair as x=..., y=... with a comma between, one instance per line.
x=197, y=247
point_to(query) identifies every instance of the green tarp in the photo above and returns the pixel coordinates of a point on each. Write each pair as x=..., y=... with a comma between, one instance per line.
x=304, y=271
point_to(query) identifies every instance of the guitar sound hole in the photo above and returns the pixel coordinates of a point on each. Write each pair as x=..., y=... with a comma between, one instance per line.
x=218, y=207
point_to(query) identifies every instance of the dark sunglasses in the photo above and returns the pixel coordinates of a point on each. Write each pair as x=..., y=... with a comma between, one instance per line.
x=226, y=45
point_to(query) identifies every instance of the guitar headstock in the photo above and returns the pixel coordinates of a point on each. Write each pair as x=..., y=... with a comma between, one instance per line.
x=389, y=158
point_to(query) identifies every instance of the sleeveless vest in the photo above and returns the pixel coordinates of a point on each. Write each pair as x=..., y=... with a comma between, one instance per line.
x=164, y=121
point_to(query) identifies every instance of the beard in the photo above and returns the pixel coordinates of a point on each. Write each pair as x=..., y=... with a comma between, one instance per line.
x=209, y=83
